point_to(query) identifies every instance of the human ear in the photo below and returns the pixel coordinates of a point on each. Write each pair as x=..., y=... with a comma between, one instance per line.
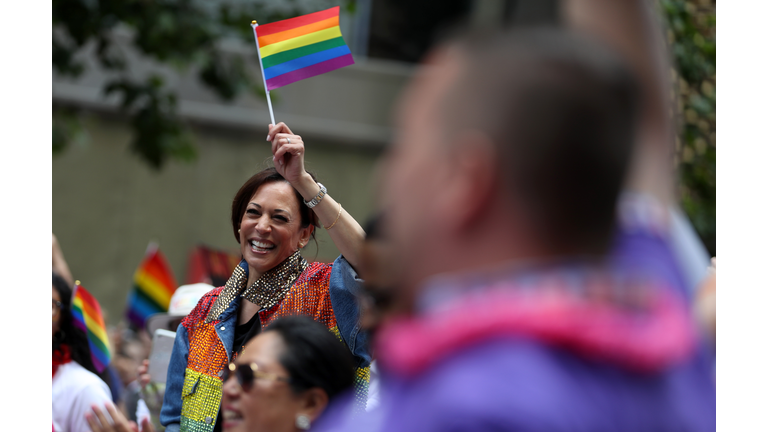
x=313, y=402
x=305, y=234
x=474, y=180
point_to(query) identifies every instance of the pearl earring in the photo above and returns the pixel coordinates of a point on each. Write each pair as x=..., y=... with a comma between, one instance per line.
x=302, y=422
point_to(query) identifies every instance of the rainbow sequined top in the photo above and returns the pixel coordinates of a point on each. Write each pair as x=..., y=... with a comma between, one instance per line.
x=201, y=393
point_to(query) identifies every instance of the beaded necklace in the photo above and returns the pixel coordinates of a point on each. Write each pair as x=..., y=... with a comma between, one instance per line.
x=266, y=292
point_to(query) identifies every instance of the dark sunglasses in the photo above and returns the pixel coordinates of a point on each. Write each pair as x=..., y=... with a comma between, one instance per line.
x=247, y=373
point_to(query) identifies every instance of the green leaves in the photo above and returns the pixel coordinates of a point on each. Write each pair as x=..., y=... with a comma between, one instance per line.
x=692, y=36
x=159, y=134
x=182, y=34
x=225, y=74
x=66, y=129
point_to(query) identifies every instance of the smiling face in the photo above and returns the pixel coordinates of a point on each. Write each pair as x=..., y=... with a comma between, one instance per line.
x=270, y=230
x=269, y=404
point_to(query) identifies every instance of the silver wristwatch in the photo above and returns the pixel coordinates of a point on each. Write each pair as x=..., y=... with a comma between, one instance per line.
x=319, y=197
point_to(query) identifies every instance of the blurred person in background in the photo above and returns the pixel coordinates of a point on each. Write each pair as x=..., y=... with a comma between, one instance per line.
x=112, y=420
x=183, y=300
x=285, y=377
x=75, y=385
x=705, y=304
x=513, y=315
x=376, y=270
x=654, y=235
x=144, y=395
x=282, y=381
x=109, y=375
x=375, y=296
x=130, y=350
x=274, y=215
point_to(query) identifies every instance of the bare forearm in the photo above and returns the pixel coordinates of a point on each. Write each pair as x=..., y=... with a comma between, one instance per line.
x=60, y=264
x=346, y=233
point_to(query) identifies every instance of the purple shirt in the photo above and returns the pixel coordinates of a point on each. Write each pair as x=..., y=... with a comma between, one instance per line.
x=548, y=368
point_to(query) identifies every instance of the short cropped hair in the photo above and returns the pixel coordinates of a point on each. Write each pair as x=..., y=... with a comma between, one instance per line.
x=562, y=109
x=243, y=197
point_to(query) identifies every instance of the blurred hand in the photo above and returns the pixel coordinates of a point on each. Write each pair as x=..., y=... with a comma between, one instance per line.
x=287, y=152
x=144, y=376
x=98, y=421
x=705, y=304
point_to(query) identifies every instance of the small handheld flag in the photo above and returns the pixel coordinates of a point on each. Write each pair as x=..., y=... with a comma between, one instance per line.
x=153, y=286
x=88, y=318
x=298, y=48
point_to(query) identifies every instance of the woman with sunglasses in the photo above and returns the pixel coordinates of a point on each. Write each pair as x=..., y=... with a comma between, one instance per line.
x=285, y=378
x=273, y=215
x=75, y=385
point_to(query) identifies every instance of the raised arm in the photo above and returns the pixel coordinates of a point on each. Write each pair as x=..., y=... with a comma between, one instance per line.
x=59, y=263
x=288, y=155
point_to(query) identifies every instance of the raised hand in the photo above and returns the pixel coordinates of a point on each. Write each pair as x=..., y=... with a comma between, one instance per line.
x=98, y=422
x=287, y=152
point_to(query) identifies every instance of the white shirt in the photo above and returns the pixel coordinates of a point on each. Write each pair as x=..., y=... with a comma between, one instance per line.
x=73, y=391
x=373, y=388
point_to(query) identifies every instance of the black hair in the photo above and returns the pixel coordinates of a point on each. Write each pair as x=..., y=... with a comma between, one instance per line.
x=382, y=297
x=313, y=356
x=246, y=191
x=68, y=334
x=73, y=337
x=372, y=227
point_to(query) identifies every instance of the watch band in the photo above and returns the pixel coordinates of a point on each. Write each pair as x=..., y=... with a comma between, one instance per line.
x=319, y=197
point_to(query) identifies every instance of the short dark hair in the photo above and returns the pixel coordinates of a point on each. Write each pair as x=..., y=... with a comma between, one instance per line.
x=313, y=356
x=562, y=109
x=243, y=197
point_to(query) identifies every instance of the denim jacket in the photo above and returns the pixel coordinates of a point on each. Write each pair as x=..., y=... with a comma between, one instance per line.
x=193, y=398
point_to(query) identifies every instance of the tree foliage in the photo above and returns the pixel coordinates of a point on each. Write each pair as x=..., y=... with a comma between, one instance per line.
x=183, y=34
x=692, y=38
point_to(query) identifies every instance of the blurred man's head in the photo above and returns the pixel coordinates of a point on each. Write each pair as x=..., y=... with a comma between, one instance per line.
x=511, y=146
x=635, y=30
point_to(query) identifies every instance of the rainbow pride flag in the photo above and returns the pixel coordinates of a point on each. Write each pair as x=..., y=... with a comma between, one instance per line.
x=302, y=47
x=88, y=318
x=153, y=286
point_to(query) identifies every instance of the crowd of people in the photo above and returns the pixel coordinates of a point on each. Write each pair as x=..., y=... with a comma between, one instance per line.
x=523, y=272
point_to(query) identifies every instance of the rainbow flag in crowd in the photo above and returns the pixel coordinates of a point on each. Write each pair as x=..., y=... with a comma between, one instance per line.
x=302, y=47
x=153, y=286
x=211, y=266
x=87, y=314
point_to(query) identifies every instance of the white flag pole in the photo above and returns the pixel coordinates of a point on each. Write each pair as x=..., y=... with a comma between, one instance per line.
x=254, y=24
